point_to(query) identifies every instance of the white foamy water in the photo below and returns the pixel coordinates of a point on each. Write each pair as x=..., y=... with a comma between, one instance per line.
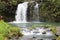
x=26, y=31
x=21, y=12
x=37, y=33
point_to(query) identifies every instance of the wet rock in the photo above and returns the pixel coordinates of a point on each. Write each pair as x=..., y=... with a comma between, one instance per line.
x=9, y=37
x=43, y=32
x=56, y=35
x=53, y=39
x=50, y=29
x=40, y=39
x=34, y=37
x=45, y=27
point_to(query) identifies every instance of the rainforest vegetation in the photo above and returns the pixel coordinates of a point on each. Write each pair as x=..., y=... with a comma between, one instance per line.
x=49, y=10
x=8, y=32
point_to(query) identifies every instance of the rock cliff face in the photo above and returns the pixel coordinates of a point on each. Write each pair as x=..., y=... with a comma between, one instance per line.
x=32, y=11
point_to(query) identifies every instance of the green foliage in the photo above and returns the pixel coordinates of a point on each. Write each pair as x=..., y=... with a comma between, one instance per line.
x=2, y=6
x=4, y=28
x=49, y=11
x=7, y=31
x=8, y=9
x=1, y=37
x=13, y=2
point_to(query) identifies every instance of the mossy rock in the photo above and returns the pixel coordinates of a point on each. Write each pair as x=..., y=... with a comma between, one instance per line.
x=58, y=38
x=53, y=28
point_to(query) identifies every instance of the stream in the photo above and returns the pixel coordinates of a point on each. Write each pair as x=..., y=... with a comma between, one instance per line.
x=39, y=33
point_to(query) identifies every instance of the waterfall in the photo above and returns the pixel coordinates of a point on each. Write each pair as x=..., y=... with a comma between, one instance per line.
x=21, y=12
x=36, y=12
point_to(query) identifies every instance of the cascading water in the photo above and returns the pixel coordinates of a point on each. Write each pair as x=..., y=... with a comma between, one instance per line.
x=36, y=12
x=21, y=13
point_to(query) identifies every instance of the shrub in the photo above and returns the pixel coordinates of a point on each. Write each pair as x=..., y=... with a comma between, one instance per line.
x=7, y=31
x=8, y=7
x=49, y=11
